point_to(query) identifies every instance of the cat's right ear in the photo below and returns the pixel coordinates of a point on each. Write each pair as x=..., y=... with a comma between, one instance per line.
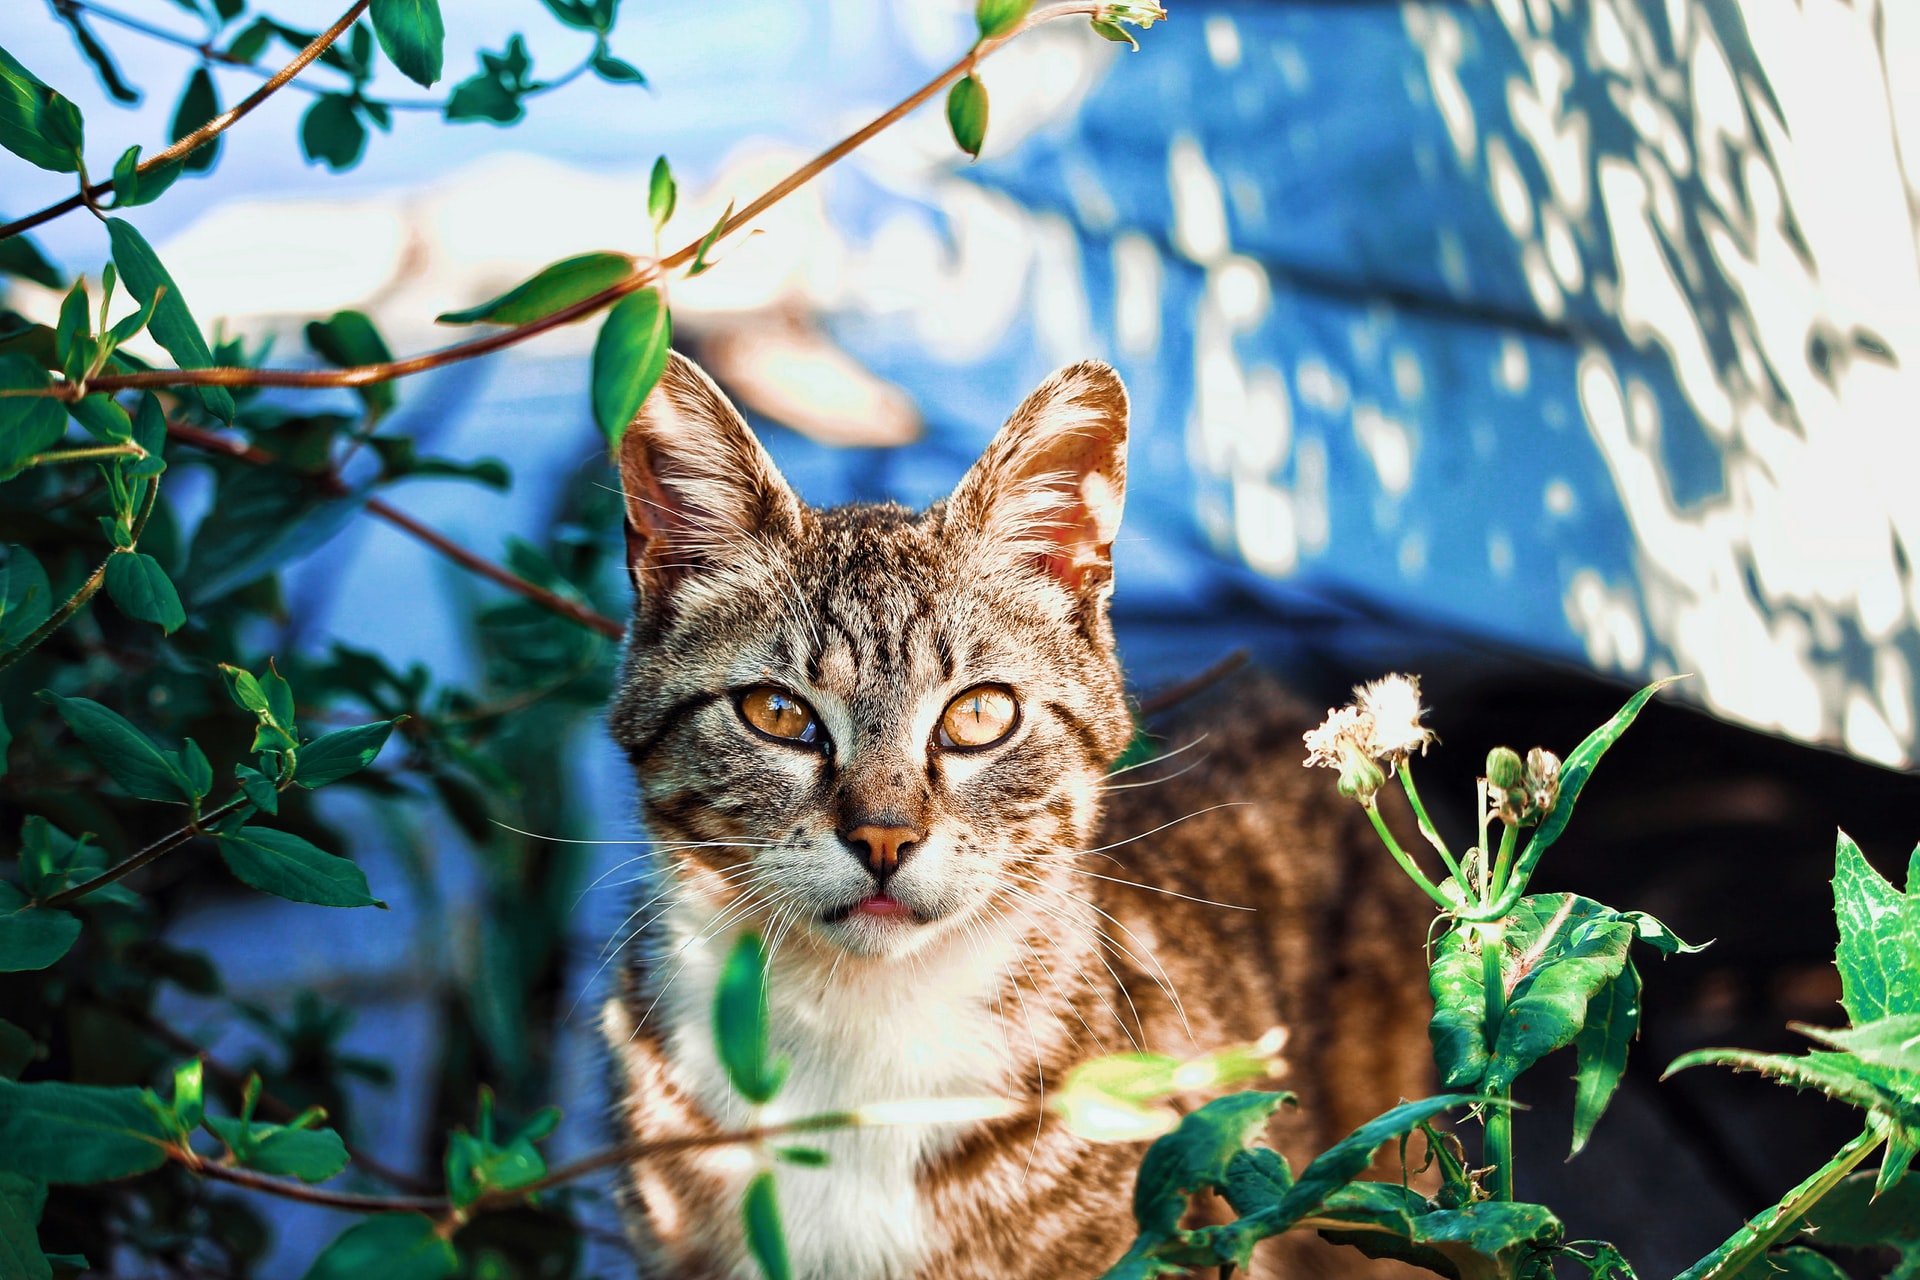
x=698, y=486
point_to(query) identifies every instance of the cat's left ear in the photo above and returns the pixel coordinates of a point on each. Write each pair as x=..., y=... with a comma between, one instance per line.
x=1052, y=483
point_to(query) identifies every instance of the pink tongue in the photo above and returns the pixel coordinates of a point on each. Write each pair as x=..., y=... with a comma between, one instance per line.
x=880, y=905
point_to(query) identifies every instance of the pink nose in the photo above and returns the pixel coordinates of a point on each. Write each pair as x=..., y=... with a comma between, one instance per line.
x=882, y=848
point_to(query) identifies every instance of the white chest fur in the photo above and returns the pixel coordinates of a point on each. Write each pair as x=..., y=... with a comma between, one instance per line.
x=928, y=1027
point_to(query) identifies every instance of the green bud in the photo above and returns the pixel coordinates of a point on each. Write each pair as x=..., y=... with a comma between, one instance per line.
x=1360, y=778
x=1504, y=770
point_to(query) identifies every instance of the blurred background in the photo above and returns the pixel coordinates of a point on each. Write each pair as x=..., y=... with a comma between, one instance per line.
x=1540, y=346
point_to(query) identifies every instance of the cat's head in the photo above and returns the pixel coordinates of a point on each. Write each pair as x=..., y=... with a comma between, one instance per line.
x=865, y=725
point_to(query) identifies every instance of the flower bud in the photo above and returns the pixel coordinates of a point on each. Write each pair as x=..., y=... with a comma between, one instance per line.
x=1360, y=778
x=1543, y=781
x=1504, y=771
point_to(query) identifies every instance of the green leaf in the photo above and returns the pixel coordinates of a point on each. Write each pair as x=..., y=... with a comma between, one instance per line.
x=19, y=256
x=69, y=1133
x=766, y=1240
x=51, y=861
x=258, y=788
x=331, y=132
x=189, y=1094
x=194, y=763
x=553, y=287
x=349, y=338
x=142, y=590
x=997, y=17
x=393, y=1246
x=287, y=866
x=967, y=114
x=1115, y=32
x=199, y=103
x=32, y=937
x=28, y=424
x=150, y=433
x=103, y=65
x=37, y=124
x=574, y=14
x=262, y=517
x=17, y=1050
x=1256, y=1179
x=142, y=769
x=333, y=756
x=629, y=356
x=399, y=460
x=1196, y=1157
x=1564, y=949
x=1458, y=1026
x=805, y=1157
x=614, y=70
x=663, y=193
x=1490, y=1240
x=173, y=326
x=1838, y=1075
x=1600, y=1051
x=1879, y=952
x=252, y=40
x=477, y=1164
x=412, y=35
x=740, y=1023
x=1854, y=1215
x=26, y=599
x=21, y=1200
x=1658, y=936
x=700, y=263
x=311, y=1155
x=1886, y=1042
x=1347, y=1159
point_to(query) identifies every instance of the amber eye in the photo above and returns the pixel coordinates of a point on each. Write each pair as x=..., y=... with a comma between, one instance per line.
x=779, y=714
x=979, y=717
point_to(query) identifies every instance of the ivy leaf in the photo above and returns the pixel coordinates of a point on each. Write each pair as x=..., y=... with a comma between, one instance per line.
x=740, y=1023
x=997, y=17
x=663, y=193
x=1879, y=952
x=629, y=356
x=1600, y=1051
x=349, y=338
x=331, y=132
x=142, y=769
x=553, y=287
x=28, y=424
x=173, y=326
x=199, y=103
x=69, y=1133
x=287, y=1151
x=142, y=590
x=335, y=755
x=287, y=866
x=393, y=1246
x=967, y=114
x=766, y=1239
x=37, y=124
x=412, y=35
x=32, y=937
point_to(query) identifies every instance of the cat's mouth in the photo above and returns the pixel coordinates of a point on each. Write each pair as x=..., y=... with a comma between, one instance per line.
x=875, y=906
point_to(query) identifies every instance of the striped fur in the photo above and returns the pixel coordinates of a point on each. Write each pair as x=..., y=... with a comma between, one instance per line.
x=1029, y=948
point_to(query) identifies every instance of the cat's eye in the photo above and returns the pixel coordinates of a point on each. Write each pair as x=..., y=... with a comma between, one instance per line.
x=778, y=714
x=980, y=717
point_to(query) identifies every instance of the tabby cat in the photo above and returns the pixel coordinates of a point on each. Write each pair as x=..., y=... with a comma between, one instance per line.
x=883, y=739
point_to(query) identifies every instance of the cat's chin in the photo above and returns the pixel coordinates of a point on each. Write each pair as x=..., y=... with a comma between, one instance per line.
x=879, y=925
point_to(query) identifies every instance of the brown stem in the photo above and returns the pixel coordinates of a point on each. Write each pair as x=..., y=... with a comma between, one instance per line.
x=1179, y=691
x=572, y=610
x=159, y=848
x=645, y=274
x=206, y=132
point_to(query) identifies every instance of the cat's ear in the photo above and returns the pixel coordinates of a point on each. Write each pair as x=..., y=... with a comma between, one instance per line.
x=1051, y=485
x=698, y=486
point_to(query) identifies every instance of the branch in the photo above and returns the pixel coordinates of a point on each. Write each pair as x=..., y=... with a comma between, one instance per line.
x=552, y=601
x=206, y=132
x=87, y=589
x=644, y=275
x=164, y=845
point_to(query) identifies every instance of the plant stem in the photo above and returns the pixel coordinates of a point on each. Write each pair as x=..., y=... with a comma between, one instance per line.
x=1405, y=860
x=1497, y=1146
x=164, y=845
x=1750, y=1242
x=205, y=133
x=1502, y=867
x=1427, y=828
x=87, y=454
x=87, y=589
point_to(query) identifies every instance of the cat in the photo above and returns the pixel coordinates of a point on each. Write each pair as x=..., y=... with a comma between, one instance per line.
x=883, y=739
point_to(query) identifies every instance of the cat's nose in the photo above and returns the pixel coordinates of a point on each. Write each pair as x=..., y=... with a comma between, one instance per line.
x=883, y=849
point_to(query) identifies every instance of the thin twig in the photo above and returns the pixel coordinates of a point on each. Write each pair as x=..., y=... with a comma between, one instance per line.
x=164, y=845
x=206, y=132
x=1180, y=690
x=86, y=590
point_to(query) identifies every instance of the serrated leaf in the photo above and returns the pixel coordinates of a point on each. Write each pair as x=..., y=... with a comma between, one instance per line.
x=173, y=325
x=21, y=1200
x=663, y=193
x=629, y=355
x=740, y=1023
x=28, y=424
x=552, y=288
x=32, y=937
x=335, y=755
x=1838, y=1075
x=997, y=17
x=766, y=1239
x=70, y=1133
x=199, y=103
x=331, y=132
x=288, y=866
x=142, y=590
x=349, y=338
x=142, y=769
x=311, y=1155
x=967, y=114
x=1600, y=1051
x=1886, y=1042
x=37, y=124
x=1879, y=951
x=393, y=1246
x=412, y=35
x=1196, y=1155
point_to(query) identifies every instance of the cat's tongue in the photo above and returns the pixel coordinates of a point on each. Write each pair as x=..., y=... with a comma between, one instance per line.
x=880, y=905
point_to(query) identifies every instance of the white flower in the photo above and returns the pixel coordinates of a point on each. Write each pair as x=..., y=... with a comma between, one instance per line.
x=1341, y=743
x=1392, y=708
